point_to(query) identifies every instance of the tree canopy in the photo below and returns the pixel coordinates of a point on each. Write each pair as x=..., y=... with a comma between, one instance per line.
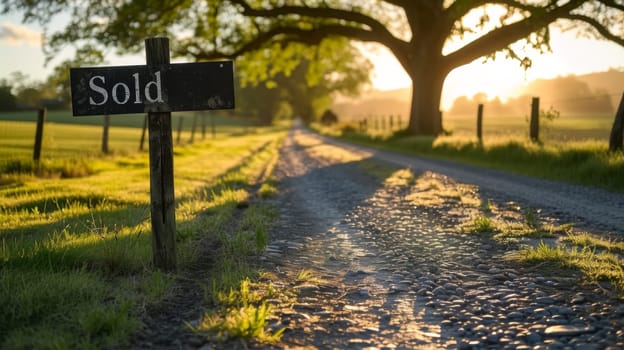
x=428, y=37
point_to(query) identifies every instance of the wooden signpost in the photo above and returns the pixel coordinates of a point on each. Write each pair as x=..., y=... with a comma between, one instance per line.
x=157, y=89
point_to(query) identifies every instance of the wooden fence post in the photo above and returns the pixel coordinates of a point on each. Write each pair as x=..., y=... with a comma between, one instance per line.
x=193, y=128
x=203, y=126
x=143, y=133
x=180, y=121
x=41, y=116
x=213, y=127
x=617, y=131
x=534, y=123
x=161, y=169
x=480, y=123
x=105, y=126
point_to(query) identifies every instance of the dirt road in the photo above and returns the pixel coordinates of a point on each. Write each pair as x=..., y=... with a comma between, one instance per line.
x=388, y=267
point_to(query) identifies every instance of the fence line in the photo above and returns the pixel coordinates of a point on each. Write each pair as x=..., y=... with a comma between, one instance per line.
x=385, y=124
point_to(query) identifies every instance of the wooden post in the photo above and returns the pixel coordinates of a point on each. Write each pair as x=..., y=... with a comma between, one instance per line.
x=193, y=128
x=180, y=121
x=480, y=123
x=617, y=131
x=213, y=127
x=105, y=125
x=143, y=133
x=203, y=118
x=534, y=123
x=161, y=169
x=41, y=116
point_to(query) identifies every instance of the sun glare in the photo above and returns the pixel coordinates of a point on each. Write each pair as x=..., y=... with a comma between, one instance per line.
x=504, y=77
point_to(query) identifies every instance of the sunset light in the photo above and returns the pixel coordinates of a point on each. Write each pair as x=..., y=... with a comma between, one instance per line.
x=502, y=77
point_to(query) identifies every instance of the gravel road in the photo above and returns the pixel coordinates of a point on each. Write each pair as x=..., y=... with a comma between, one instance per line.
x=394, y=272
x=579, y=204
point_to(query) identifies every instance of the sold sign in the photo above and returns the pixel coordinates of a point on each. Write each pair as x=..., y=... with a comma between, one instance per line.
x=125, y=90
x=157, y=88
x=141, y=89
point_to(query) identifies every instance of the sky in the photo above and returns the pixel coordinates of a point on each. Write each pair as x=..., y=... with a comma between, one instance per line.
x=20, y=50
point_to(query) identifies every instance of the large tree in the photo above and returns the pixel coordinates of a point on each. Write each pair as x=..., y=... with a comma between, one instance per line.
x=305, y=85
x=417, y=32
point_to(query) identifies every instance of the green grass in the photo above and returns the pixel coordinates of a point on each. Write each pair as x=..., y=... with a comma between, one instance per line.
x=224, y=122
x=565, y=128
x=583, y=162
x=595, y=265
x=75, y=253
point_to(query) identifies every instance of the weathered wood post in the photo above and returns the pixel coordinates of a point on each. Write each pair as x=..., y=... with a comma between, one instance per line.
x=193, y=128
x=213, y=127
x=41, y=116
x=157, y=88
x=391, y=123
x=617, y=131
x=534, y=122
x=179, y=135
x=203, y=118
x=105, y=126
x=143, y=133
x=161, y=169
x=480, y=122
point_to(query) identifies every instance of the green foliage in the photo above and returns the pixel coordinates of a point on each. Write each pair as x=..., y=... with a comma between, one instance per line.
x=299, y=80
x=7, y=99
x=269, y=33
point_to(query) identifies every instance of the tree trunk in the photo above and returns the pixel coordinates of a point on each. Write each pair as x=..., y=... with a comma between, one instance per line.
x=425, y=115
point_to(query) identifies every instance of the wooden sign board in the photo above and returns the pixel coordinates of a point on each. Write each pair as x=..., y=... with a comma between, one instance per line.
x=163, y=88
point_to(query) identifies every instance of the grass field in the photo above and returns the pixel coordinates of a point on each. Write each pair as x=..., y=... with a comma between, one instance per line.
x=75, y=253
x=124, y=120
x=63, y=132
x=572, y=149
x=564, y=128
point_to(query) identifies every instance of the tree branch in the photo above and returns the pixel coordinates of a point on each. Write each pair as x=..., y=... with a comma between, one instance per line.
x=612, y=4
x=502, y=37
x=287, y=34
x=313, y=12
x=460, y=8
x=598, y=26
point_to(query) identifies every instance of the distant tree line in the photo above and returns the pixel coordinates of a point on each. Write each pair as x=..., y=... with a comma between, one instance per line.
x=567, y=94
x=20, y=92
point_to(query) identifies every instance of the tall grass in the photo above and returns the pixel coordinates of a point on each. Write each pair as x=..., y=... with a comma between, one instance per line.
x=583, y=162
x=75, y=253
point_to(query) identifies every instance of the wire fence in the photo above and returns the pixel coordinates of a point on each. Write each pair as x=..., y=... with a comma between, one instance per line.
x=561, y=118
